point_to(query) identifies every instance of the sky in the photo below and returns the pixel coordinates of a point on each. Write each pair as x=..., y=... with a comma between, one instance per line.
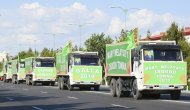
x=47, y=23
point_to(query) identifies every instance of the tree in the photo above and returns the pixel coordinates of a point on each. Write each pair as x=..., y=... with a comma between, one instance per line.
x=174, y=33
x=45, y=53
x=97, y=43
x=123, y=36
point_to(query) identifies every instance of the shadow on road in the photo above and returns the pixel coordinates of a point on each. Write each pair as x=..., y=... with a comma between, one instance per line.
x=70, y=106
x=4, y=94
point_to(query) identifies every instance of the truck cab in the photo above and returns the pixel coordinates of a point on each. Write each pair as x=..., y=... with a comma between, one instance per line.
x=85, y=70
x=159, y=68
x=41, y=69
x=82, y=69
x=7, y=77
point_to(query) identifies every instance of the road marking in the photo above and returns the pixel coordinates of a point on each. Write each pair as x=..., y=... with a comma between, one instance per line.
x=115, y=105
x=25, y=89
x=37, y=108
x=184, y=102
x=10, y=99
x=98, y=92
x=72, y=97
x=43, y=92
x=50, y=87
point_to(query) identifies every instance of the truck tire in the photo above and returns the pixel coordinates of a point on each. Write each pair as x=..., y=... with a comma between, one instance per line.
x=119, y=87
x=52, y=83
x=27, y=81
x=4, y=78
x=113, y=87
x=136, y=93
x=59, y=83
x=97, y=88
x=33, y=83
x=13, y=80
x=18, y=82
x=175, y=95
x=69, y=86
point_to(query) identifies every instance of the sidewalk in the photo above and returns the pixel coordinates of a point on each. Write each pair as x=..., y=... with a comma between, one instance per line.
x=185, y=91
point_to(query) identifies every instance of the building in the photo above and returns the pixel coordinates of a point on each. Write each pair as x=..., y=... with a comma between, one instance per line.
x=3, y=56
x=159, y=36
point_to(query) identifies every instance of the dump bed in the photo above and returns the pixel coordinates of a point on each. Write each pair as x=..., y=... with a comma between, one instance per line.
x=118, y=59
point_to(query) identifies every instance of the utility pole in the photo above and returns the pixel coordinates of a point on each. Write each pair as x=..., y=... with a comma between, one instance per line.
x=80, y=30
x=125, y=11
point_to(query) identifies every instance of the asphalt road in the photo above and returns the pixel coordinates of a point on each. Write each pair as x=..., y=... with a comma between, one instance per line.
x=23, y=97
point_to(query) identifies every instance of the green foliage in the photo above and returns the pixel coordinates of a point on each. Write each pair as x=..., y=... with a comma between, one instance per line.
x=174, y=33
x=26, y=54
x=123, y=36
x=47, y=53
x=76, y=48
x=97, y=43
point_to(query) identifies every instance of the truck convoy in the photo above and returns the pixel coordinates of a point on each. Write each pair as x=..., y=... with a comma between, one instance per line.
x=40, y=70
x=152, y=68
x=18, y=71
x=78, y=69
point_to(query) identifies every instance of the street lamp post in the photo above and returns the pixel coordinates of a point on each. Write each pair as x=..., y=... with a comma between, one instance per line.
x=34, y=40
x=54, y=37
x=125, y=11
x=80, y=30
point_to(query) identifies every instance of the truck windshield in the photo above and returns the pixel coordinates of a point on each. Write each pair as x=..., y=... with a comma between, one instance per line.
x=86, y=61
x=162, y=55
x=22, y=65
x=45, y=64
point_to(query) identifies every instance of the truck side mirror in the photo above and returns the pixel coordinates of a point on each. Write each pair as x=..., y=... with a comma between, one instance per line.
x=136, y=58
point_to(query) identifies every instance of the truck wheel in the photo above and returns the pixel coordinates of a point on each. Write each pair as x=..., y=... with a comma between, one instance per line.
x=69, y=86
x=64, y=84
x=18, y=82
x=13, y=80
x=113, y=87
x=4, y=78
x=27, y=81
x=33, y=83
x=52, y=83
x=175, y=95
x=136, y=93
x=97, y=88
x=119, y=88
x=60, y=83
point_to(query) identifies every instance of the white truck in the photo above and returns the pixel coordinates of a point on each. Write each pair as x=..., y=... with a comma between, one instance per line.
x=152, y=68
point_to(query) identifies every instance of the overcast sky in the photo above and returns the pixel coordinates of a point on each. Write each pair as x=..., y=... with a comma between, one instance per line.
x=22, y=22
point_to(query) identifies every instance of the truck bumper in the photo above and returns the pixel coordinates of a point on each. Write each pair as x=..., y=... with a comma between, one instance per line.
x=44, y=80
x=85, y=83
x=142, y=87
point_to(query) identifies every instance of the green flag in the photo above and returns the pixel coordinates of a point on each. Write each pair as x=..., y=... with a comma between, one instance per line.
x=131, y=40
x=67, y=48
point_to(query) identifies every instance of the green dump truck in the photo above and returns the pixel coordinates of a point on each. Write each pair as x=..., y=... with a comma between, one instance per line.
x=40, y=70
x=7, y=71
x=78, y=69
x=18, y=72
x=150, y=69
